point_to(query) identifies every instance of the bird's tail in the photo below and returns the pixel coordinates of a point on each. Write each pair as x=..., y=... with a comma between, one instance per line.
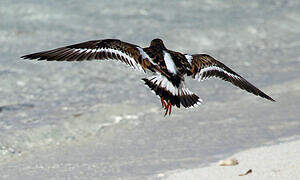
x=163, y=88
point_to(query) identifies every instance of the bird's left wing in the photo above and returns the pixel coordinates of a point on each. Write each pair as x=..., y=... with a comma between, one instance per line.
x=205, y=66
x=106, y=49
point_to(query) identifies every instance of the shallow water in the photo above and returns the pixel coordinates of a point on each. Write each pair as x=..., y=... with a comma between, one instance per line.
x=86, y=105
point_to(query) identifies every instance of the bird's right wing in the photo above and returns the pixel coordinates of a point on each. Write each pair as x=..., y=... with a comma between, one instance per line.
x=205, y=66
x=112, y=49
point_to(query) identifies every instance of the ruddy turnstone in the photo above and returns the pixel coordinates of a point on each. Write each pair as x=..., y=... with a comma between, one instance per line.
x=168, y=67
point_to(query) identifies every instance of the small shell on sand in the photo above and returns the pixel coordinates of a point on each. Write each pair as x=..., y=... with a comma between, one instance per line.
x=229, y=162
x=248, y=172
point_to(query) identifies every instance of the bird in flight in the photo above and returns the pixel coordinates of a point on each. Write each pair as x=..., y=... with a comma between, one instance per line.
x=168, y=67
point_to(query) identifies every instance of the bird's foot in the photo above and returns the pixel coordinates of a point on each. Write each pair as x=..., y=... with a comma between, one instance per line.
x=168, y=108
x=163, y=104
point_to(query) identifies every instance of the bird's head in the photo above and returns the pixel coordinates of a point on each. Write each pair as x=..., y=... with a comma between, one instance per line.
x=158, y=43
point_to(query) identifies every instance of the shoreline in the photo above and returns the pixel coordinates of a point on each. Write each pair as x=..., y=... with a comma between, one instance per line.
x=278, y=161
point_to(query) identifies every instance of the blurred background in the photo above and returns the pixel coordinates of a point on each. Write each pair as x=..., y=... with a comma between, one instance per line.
x=97, y=119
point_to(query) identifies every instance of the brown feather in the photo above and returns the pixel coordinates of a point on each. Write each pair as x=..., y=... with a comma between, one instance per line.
x=202, y=61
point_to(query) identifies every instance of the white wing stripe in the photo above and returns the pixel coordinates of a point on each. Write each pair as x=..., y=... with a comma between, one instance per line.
x=124, y=55
x=200, y=77
x=81, y=50
x=145, y=55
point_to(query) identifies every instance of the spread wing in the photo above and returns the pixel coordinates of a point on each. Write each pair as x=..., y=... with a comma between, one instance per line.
x=111, y=49
x=205, y=66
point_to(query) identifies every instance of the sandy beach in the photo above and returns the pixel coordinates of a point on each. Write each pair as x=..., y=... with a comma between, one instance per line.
x=280, y=161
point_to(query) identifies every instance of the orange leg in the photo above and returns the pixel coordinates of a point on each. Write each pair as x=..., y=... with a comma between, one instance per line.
x=168, y=108
x=163, y=104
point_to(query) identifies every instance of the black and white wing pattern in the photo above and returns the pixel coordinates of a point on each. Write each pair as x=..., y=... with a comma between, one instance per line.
x=111, y=49
x=164, y=88
x=205, y=66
